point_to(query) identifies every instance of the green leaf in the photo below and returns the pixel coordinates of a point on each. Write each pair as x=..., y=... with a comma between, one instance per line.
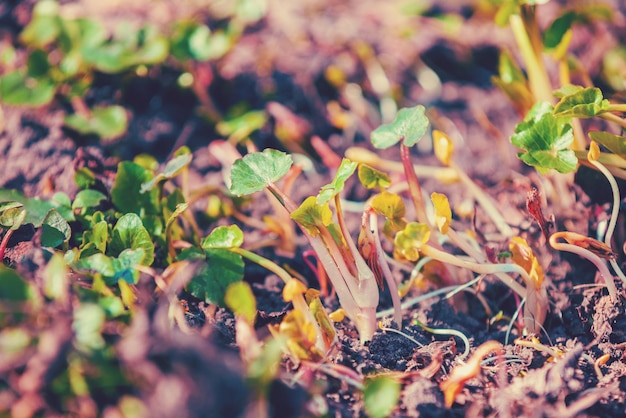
x=129, y=233
x=240, y=299
x=508, y=70
x=371, y=178
x=98, y=236
x=613, y=64
x=98, y=263
x=88, y=321
x=45, y=26
x=36, y=209
x=391, y=206
x=223, y=237
x=409, y=241
x=240, y=127
x=581, y=103
x=329, y=191
x=256, y=171
x=126, y=192
x=614, y=143
x=381, y=396
x=12, y=215
x=173, y=168
x=38, y=65
x=546, y=140
x=17, y=88
x=312, y=216
x=88, y=199
x=108, y=122
x=55, y=230
x=12, y=287
x=56, y=280
x=408, y=127
x=211, y=280
x=553, y=36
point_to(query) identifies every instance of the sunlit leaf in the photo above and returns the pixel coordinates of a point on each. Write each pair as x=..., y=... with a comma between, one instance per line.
x=293, y=288
x=240, y=127
x=371, y=178
x=329, y=191
x=312, y=216
x=508, y=70
x=392, y=207
x=443, y=213
x=36, y=209
x=614, y=143
x=224, y=237
x=17, y=88
x=409, y=241
x=88, y=321
x=108, y=122
x=129, y=233
x=581, y=103
x=12, y=215
x=443, y=147
x=240, y=299
x=381, y=396
x=523, y=256
x=408, y=127
x=546, y=140
x=88, y=198
x=256, y=171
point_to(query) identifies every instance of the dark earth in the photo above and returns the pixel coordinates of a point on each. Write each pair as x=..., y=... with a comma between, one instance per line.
x=196, y=371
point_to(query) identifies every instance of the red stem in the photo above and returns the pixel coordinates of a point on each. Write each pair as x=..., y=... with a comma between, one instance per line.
x=5, y=241
x=414, y=185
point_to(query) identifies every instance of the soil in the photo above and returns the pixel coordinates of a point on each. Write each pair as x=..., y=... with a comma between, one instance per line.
x=196, y=370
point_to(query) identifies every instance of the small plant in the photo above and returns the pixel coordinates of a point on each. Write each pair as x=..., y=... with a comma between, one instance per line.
x=350, y=275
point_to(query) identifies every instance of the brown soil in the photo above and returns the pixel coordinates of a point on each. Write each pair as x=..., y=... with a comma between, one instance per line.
x=197, y=372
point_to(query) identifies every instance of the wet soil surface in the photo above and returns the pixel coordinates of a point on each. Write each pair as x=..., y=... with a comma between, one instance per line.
x=579, y=367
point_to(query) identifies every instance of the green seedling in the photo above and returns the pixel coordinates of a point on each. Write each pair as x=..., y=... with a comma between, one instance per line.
x=381, y=395
x=351, y=277
x=407, y=129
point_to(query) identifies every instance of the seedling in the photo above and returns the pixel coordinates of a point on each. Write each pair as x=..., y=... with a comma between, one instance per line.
x=351, y=277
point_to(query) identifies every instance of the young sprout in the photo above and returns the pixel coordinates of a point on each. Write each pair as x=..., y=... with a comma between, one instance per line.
x=443, y=331
x=444, y=150
x=411, y=243
x=453, y=385
x=349, y=273
x=593, y=156
x=589, y=248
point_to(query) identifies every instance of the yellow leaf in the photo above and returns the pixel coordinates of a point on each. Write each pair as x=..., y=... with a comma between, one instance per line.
x=443, y=147
x=523, y=256
x=292, y=288
x=443, y=213
x=409, y=241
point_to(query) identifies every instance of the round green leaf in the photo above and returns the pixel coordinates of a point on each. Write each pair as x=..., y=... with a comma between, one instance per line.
x=381, y=396
x=129, y=233
x=224, y=237
x=256, y=171
x=106, y=122
x=408, y=127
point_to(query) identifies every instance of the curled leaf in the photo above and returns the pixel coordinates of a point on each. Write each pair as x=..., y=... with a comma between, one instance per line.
x=329, y=191
x=371, y=178
x=312, y=216
x=523, y=256
x=293, y=288
x=581, y=102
